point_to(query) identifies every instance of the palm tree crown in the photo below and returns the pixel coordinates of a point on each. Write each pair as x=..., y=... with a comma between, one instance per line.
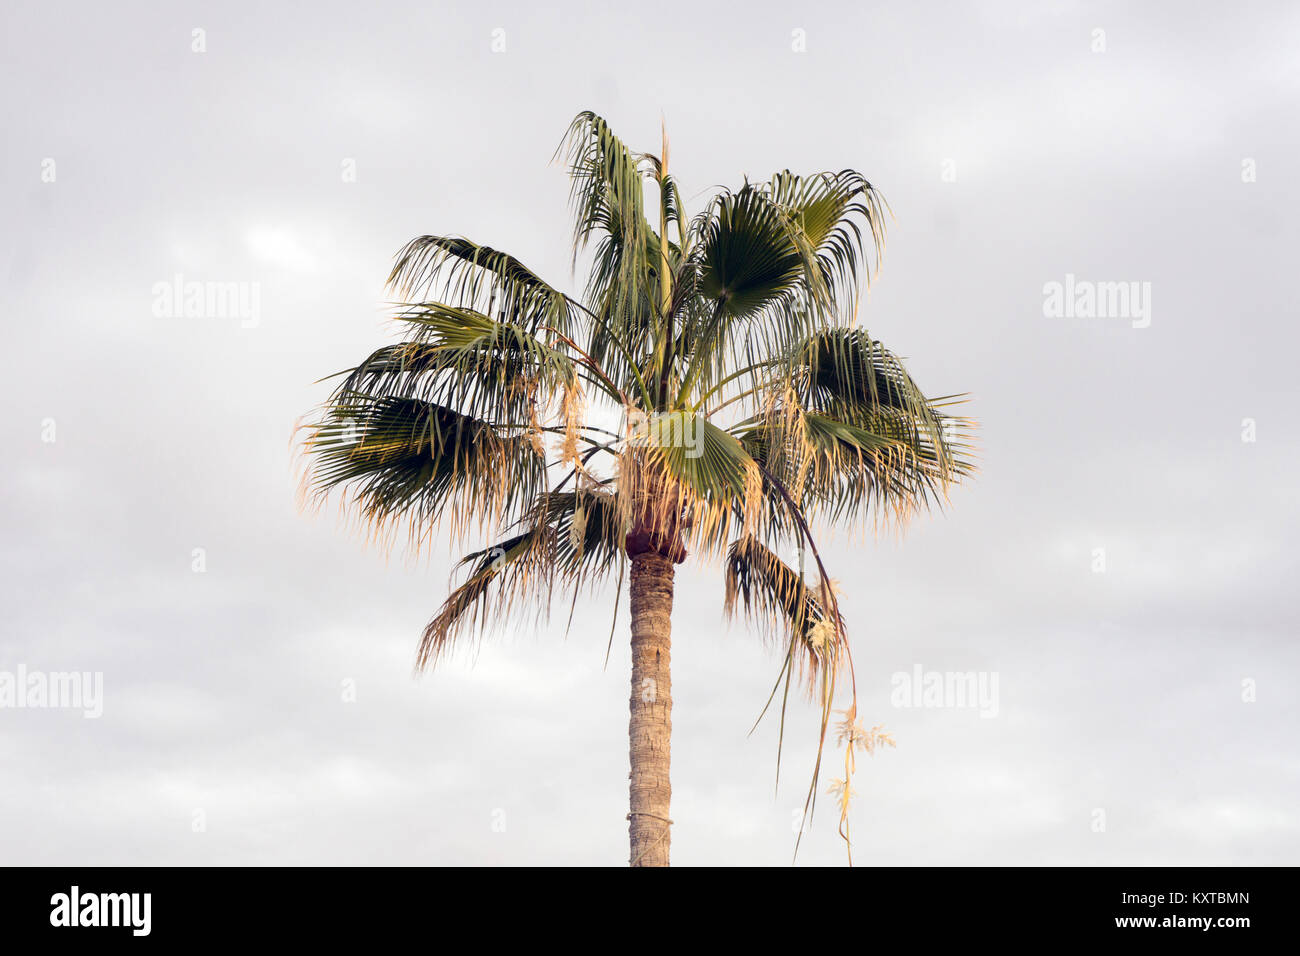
x=740, y=407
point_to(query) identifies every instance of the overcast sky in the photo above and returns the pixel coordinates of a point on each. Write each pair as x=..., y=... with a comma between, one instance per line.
x=1016, y=146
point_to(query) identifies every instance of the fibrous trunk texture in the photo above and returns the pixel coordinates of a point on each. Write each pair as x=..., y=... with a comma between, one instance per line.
x=651, y=705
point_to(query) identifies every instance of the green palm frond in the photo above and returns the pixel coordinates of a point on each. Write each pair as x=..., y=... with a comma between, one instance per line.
x=758, y=282
x=607, y=196
x=836, y=212
x=775, y=262
x=752, y=255
x=846, y=428
x=569, y=540
x=400, y=460
x=713, y=484
x=588, y=531
x=520, y=561
x=776, y=597
x=464, y=274
x=846, y=370
x=460, y=358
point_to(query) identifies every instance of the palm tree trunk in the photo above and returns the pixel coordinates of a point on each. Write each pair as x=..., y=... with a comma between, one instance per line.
x=651, y=705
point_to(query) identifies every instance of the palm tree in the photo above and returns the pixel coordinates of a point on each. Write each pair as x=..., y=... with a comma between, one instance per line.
x=710, y=394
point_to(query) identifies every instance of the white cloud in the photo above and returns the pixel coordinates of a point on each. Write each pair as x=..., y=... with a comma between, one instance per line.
x=279, y=246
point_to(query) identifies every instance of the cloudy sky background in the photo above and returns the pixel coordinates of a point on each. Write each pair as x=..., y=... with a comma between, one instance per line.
x=1119, y=691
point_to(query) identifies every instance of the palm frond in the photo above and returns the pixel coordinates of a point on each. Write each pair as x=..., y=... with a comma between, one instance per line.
x=607, y=197
x=486, y=368
x=837, y=212
x=850, y=432
x=404, y=462
x=568, y=540
x=465, y=274
x=776, y=597
x=792, y=251
x=686, y=476
x=758, y=281
x=521, y=560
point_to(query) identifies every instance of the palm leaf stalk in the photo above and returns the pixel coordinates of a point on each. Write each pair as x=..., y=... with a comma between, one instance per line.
x=754, y=409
